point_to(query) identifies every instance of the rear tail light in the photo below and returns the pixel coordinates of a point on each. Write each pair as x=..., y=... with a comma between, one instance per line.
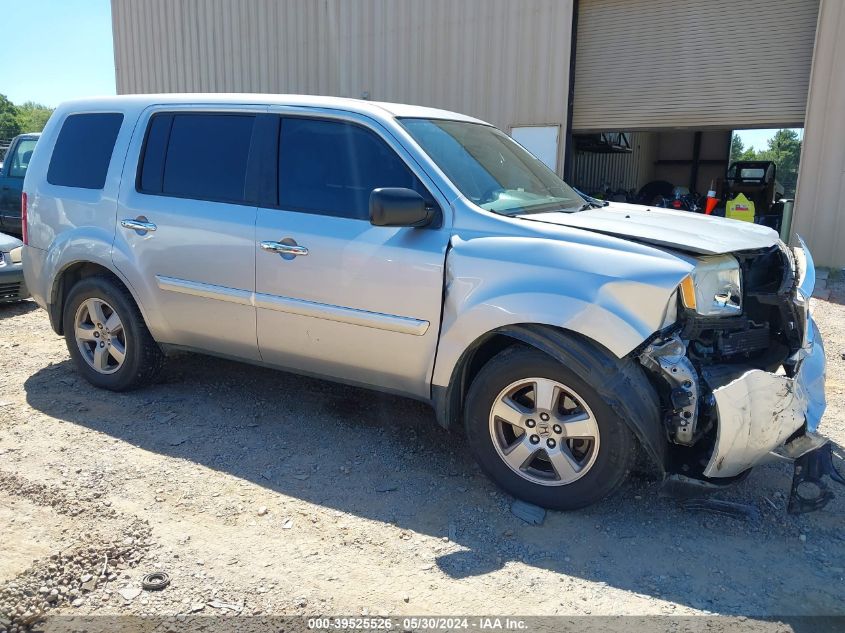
x=676, y=204
x=24, y=231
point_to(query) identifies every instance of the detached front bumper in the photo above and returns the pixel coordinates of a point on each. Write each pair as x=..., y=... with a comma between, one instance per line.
x=759, y=411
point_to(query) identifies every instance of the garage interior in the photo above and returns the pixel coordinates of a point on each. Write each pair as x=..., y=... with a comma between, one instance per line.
x=616, y=165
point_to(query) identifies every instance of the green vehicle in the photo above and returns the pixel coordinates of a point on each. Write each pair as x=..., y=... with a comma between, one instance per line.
x=12, y=171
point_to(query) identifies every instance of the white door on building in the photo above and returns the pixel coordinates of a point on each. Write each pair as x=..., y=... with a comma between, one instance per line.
x=540, y=140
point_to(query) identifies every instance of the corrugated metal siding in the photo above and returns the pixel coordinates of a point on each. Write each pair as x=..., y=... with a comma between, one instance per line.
x=502, y=61
x=593, y=172
x=657, y=64
x=820, y=205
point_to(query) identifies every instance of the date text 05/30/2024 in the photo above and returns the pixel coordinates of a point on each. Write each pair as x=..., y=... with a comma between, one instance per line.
x=425, y=623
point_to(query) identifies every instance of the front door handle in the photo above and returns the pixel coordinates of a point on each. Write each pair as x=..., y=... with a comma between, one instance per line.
x=282, y=248
x=142, y=225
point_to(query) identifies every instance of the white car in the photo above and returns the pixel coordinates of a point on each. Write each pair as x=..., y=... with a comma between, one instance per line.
x=12, y=286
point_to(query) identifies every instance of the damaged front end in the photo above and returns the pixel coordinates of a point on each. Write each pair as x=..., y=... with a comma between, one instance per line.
x=741, y=375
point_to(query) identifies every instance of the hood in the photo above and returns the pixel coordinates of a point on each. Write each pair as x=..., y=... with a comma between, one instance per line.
x=693, y=232
x=7, y=242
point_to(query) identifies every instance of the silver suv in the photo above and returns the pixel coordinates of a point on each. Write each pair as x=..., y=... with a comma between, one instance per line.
x=423, y=253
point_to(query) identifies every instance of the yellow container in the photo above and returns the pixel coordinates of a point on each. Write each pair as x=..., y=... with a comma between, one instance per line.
x=740, y=208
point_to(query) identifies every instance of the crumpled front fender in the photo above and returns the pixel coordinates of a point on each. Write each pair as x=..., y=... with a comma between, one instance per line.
x=617, y=298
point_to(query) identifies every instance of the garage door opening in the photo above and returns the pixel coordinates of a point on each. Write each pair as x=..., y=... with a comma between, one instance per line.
x=763, y=175
x=747, y=174
x=780, y=146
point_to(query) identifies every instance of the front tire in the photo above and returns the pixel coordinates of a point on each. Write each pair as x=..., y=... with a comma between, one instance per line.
x=107, y=338
x=544, y=433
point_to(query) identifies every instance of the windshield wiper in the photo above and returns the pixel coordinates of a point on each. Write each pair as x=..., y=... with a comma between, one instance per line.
x=589, y=205
x=590, y=201
x=547, y=209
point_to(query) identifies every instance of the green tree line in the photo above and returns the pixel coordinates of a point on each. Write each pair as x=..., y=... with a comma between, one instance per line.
x=18, y=119
x=784, y=151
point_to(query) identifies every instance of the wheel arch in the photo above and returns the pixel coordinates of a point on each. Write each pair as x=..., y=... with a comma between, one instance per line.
x=625, y=386
x=70, y=274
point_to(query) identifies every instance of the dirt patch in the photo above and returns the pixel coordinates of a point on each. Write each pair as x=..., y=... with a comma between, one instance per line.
x=86, y=571
x=29, y=532
x=276, y=494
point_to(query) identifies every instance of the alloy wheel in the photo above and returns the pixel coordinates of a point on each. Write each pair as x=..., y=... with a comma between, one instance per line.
x=100, y=336
x=544, y=431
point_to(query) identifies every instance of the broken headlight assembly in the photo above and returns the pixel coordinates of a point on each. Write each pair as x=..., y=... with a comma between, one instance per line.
x=714, y=328
x=714, y=288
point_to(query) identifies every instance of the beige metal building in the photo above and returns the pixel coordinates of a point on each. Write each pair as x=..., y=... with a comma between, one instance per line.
x=676, y=75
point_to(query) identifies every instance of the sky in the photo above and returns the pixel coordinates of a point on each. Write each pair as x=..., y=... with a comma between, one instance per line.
x=54, y=50
x=758, y=139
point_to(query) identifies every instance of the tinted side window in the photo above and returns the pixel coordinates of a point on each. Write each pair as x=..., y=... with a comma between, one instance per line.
x=155, y=148
x=331, y=167
x=20, y=161
x=206, y=156
x=83, y=150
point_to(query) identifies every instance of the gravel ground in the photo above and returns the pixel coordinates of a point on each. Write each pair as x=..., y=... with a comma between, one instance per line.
x=265, y=493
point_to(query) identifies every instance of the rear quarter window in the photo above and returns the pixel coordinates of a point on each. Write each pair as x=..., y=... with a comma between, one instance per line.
x=83, y=150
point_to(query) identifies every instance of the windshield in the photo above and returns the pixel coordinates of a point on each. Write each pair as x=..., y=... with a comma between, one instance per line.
x=491, y=169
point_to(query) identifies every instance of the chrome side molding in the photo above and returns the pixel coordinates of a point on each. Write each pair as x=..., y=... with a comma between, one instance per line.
x=207, y=291
x=340, y=314
x=353, y=316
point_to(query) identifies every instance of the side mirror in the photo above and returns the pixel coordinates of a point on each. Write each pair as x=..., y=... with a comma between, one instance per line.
x=395, y=206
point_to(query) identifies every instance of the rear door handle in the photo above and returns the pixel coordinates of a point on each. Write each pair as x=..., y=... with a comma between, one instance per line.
x=281, y=248
x=142, y=225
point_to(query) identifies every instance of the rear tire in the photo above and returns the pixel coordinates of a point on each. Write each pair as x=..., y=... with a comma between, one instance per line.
x=106, y=336
x=582, y=450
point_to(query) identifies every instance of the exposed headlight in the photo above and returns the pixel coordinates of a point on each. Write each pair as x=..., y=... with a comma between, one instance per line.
x=714, y=287
x=16, y=254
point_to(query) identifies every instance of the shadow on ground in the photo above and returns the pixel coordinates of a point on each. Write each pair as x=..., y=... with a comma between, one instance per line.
x=9, y=310
x=266, y=427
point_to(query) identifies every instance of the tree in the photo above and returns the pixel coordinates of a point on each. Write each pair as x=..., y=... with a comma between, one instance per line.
x=9, y=124
x=738, y=151
x=29, y=117
x=785, y=152
x=33, y=116
x=737, y=148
